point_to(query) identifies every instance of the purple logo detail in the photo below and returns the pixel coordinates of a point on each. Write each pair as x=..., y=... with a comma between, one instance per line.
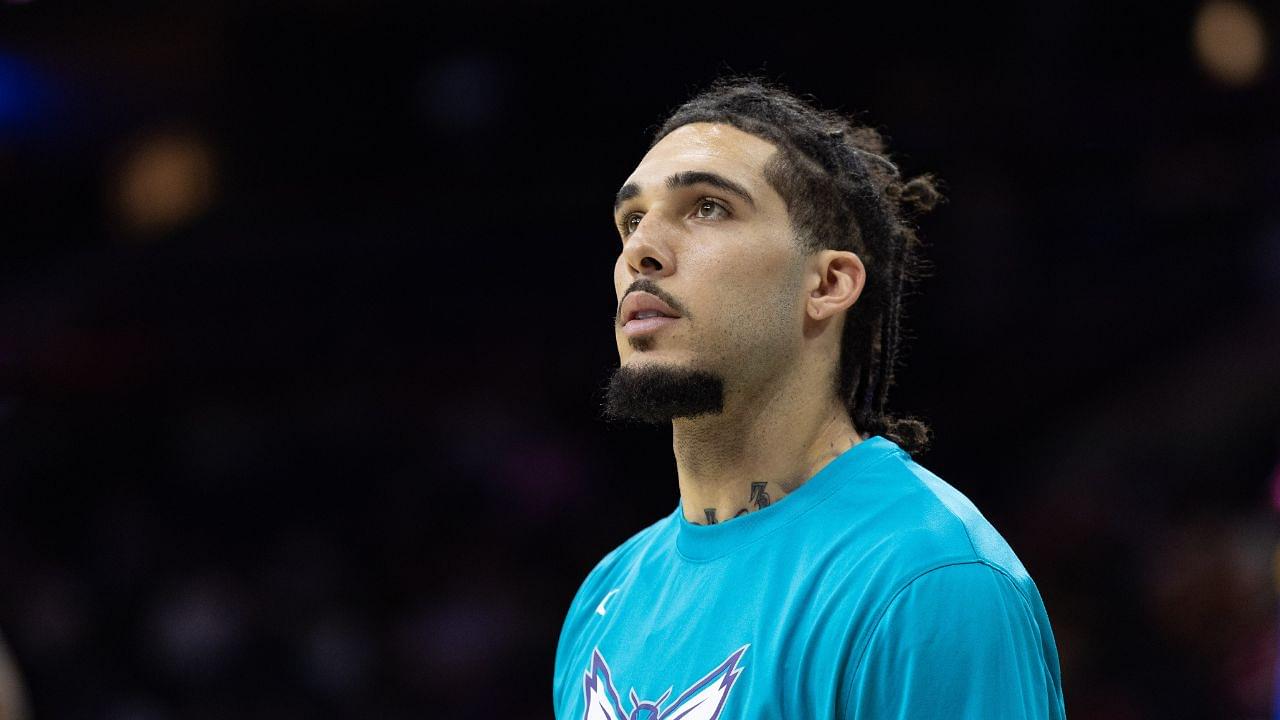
x=702, y=701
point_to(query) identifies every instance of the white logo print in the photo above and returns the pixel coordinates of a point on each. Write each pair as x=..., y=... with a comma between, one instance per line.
x=704, y=700
x=600, y=608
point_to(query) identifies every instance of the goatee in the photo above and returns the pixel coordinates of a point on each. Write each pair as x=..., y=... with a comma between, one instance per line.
x=656, y=394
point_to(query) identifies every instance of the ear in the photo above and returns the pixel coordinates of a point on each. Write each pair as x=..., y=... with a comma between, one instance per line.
x=835, y=280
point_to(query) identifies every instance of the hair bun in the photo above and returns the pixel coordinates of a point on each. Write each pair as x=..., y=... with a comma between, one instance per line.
x=920, y=194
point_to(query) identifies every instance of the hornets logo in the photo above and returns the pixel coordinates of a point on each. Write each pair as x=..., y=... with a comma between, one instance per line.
x=704, y=700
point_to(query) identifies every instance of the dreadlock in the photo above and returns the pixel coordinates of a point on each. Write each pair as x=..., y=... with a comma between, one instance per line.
x=842, y=193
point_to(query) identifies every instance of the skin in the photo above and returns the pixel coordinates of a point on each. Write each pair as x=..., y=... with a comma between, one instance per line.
x=760, y=312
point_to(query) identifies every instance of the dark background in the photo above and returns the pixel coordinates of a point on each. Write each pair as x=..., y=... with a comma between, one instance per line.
x=305, y=310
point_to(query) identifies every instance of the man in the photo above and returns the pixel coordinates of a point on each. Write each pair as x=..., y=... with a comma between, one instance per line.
x=812, y=569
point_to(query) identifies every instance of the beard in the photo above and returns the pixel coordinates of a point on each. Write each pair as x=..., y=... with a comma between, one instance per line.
x=656, y=394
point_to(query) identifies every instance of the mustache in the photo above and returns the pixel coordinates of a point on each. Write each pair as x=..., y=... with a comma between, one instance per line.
x=649, y=286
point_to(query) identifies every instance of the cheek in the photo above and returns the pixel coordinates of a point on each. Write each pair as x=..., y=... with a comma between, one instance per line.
x=750, y=276
x=748, y=253
x=753, y=296
x=619, y=276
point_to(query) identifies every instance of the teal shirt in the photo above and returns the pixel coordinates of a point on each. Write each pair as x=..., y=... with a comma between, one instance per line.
x=875, y=590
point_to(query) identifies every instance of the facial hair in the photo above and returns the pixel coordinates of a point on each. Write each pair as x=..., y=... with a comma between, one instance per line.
x=656, y=393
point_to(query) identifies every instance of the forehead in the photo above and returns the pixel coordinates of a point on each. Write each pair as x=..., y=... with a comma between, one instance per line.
x=706, y=146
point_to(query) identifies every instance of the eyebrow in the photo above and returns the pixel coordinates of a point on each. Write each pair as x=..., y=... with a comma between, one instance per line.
x=685, y=179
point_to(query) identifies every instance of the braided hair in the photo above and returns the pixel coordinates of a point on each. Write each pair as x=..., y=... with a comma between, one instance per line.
x=842, y=193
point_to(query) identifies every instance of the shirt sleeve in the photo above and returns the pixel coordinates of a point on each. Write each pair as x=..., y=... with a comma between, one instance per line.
x=959, y=641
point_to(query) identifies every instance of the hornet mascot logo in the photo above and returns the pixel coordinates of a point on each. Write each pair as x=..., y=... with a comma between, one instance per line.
x=702, y=701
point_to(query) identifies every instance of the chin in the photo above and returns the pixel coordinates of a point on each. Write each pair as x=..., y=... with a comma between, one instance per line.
x=668, y=357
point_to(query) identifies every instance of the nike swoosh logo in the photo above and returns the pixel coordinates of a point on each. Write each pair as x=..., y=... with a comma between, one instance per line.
x=600, y=608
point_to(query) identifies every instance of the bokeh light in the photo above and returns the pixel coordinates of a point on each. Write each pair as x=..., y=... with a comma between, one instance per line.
x=1230, y=42
x=168, y=180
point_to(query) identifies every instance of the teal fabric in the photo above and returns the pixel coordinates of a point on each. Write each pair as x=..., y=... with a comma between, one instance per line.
x=875, y=590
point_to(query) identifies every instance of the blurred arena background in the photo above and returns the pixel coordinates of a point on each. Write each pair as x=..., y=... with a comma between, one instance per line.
x=305, y=309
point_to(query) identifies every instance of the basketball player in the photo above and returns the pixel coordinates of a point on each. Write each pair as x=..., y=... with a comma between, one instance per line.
x=811, y=569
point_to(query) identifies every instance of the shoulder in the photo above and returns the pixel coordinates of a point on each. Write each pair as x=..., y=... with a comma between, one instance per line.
x=900, y=522
x=640, y=545
x=923, y=522
x=617, y=563
x=976, y=592
x=949, y=591
x=942, y=625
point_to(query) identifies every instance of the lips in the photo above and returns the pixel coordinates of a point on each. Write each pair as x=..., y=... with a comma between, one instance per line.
x=643, y=313
x=644, y=306
x=643, y=326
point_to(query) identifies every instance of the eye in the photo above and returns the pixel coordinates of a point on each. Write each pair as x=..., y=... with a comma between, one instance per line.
x=708, y=208
x=629, y=224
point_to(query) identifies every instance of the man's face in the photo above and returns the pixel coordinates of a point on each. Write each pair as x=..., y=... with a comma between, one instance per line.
x=701, y=229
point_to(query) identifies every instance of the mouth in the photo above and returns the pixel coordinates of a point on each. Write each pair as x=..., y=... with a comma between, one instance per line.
x=646, y=323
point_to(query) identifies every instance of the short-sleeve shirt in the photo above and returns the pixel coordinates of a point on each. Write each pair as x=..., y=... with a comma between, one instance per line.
x=874, y=590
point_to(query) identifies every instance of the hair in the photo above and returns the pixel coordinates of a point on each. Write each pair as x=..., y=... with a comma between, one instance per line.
x=842, y=193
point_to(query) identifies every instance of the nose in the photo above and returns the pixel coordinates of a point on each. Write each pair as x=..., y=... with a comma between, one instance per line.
x=645, y=252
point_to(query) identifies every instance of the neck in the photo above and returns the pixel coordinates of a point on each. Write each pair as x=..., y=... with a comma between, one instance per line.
x=756, y=452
